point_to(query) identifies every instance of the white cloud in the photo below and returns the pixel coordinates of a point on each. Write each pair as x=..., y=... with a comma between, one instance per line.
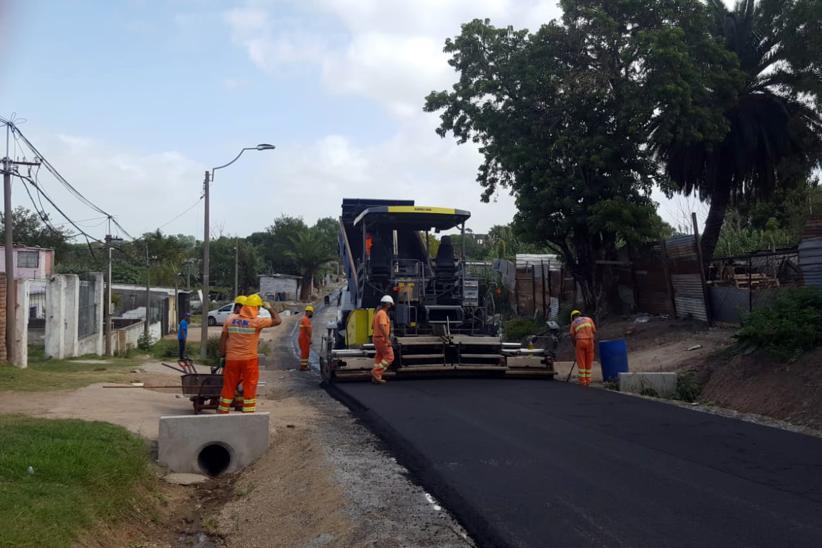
x=140, y=190
x=387, y=51
x=311, y=180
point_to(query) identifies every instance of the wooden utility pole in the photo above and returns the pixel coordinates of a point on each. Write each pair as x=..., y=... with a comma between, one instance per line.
x=8, y=222
x=107, y=312
x=148, y=296
x=9, y=252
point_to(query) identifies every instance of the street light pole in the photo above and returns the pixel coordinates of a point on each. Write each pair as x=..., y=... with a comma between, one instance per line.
x=205, y=302
x=209, y=177
x=236, y=266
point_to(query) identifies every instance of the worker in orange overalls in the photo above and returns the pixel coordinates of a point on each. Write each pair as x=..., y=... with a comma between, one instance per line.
x=583, y=332
x=238, y=342
x=381, y=337
x=305, y=337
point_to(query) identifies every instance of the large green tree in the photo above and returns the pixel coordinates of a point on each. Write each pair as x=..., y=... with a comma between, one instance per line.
x=29, y=228
x=562, y=116
x=310, y=252
x=772, y=134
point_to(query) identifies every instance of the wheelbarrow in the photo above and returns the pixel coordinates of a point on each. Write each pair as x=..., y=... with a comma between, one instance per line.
x=203, y=389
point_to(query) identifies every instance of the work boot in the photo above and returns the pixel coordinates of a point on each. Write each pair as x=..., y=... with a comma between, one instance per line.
x=375, y=380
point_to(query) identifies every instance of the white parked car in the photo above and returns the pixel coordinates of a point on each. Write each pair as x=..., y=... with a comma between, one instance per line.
x=218, y=316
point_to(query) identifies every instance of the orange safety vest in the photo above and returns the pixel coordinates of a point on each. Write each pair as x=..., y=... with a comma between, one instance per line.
x=305, y=329
x=381, y=326
x=244, y=333
x=583, y=328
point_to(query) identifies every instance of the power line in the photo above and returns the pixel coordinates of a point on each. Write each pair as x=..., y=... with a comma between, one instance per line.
x=60, y=211
x=56, y=174
x=192, y=206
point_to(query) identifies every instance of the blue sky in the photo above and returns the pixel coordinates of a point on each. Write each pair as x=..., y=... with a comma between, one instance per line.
x=133, y=99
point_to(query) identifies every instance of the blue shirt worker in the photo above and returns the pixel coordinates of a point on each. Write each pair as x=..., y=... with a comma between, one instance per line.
x=182, y=335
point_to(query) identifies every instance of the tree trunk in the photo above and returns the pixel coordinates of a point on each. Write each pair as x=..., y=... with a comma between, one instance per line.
x=305, y=288
x=720, y=198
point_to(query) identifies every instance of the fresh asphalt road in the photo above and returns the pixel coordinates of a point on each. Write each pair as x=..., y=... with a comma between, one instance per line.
x=541, y=463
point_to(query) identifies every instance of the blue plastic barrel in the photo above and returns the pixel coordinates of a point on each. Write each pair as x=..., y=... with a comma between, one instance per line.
x=613, y=357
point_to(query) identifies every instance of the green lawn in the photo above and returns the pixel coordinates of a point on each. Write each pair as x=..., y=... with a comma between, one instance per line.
x=42, y=374
x=82, y=472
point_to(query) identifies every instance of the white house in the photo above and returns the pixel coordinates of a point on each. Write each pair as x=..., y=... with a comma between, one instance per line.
x=280, y=287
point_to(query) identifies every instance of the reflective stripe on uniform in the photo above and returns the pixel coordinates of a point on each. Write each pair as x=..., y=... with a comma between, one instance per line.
x=242, y=330
x=583, y=325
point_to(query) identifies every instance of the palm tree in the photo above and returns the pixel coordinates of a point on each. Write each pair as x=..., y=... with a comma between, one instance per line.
x=309, y=250
x=775, y=130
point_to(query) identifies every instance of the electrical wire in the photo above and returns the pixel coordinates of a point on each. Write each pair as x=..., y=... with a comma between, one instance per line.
x=62, y=180
x=31, y=181
x=192, y=206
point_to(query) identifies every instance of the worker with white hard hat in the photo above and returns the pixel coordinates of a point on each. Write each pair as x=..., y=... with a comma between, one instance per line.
x=381, y=328
x=304, y=339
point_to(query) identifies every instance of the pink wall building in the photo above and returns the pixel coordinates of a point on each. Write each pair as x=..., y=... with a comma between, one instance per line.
x=29, y=262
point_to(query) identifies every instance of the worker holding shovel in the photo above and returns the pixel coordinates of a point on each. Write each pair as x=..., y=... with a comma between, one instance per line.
x=583, y=332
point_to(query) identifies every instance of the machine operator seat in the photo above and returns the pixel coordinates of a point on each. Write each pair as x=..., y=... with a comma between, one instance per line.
x=445, y=262
x=445, y=275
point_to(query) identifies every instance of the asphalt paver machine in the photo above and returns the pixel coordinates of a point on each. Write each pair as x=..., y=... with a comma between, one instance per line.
x=443, y=322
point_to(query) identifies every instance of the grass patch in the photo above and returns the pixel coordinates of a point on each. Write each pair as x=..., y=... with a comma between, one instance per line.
x=42, y=375
x=790, y=326
x=82, y=472
x=168, y=349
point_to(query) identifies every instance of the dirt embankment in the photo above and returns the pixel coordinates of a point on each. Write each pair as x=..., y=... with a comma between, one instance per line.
x=759, y=384
x=754, y=383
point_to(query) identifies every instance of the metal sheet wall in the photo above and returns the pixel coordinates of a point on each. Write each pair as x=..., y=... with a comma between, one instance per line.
x=810, y=261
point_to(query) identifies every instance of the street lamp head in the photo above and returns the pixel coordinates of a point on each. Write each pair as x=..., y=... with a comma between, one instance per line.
x=265, y=146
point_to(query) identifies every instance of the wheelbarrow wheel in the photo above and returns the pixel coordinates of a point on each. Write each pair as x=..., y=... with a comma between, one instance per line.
x=198, y=402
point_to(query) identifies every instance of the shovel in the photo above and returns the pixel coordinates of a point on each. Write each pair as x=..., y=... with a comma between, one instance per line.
x=571, y=372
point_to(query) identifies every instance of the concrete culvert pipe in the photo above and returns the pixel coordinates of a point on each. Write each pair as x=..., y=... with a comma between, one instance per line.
x=214, y=459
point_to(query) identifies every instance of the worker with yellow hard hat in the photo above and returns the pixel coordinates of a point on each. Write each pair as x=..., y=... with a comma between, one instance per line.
x=583, y=333
x=239, y=302
x=238, y=342
x=304, y=339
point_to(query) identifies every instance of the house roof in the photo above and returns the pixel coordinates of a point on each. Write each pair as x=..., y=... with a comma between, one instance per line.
x=286, y=276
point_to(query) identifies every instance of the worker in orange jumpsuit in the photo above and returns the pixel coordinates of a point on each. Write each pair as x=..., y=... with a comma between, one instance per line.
x=583, y=333
x=304, y=339
x=381, y=337
x=238, y=342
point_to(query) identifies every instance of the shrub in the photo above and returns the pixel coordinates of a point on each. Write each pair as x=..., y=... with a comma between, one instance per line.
x=518, y=329
x=791, y=325
x=688, y=388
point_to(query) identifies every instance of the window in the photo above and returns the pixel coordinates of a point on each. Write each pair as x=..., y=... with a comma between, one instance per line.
x=28, y=259
x=227, y=308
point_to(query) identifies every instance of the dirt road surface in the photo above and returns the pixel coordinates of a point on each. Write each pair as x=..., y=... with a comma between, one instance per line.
x=541, y=463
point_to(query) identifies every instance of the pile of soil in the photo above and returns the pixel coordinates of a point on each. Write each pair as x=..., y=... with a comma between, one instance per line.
x=759, y=384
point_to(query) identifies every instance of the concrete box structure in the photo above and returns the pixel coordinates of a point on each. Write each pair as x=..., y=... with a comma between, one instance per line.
x=279, y=287
x=664, y=384
x=212, y=444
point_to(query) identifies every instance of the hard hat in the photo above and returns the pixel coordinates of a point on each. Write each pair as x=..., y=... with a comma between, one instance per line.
x=575, y=313
x=309, y=308
x=387, y=299
x=254, y=300
x=241, y=299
